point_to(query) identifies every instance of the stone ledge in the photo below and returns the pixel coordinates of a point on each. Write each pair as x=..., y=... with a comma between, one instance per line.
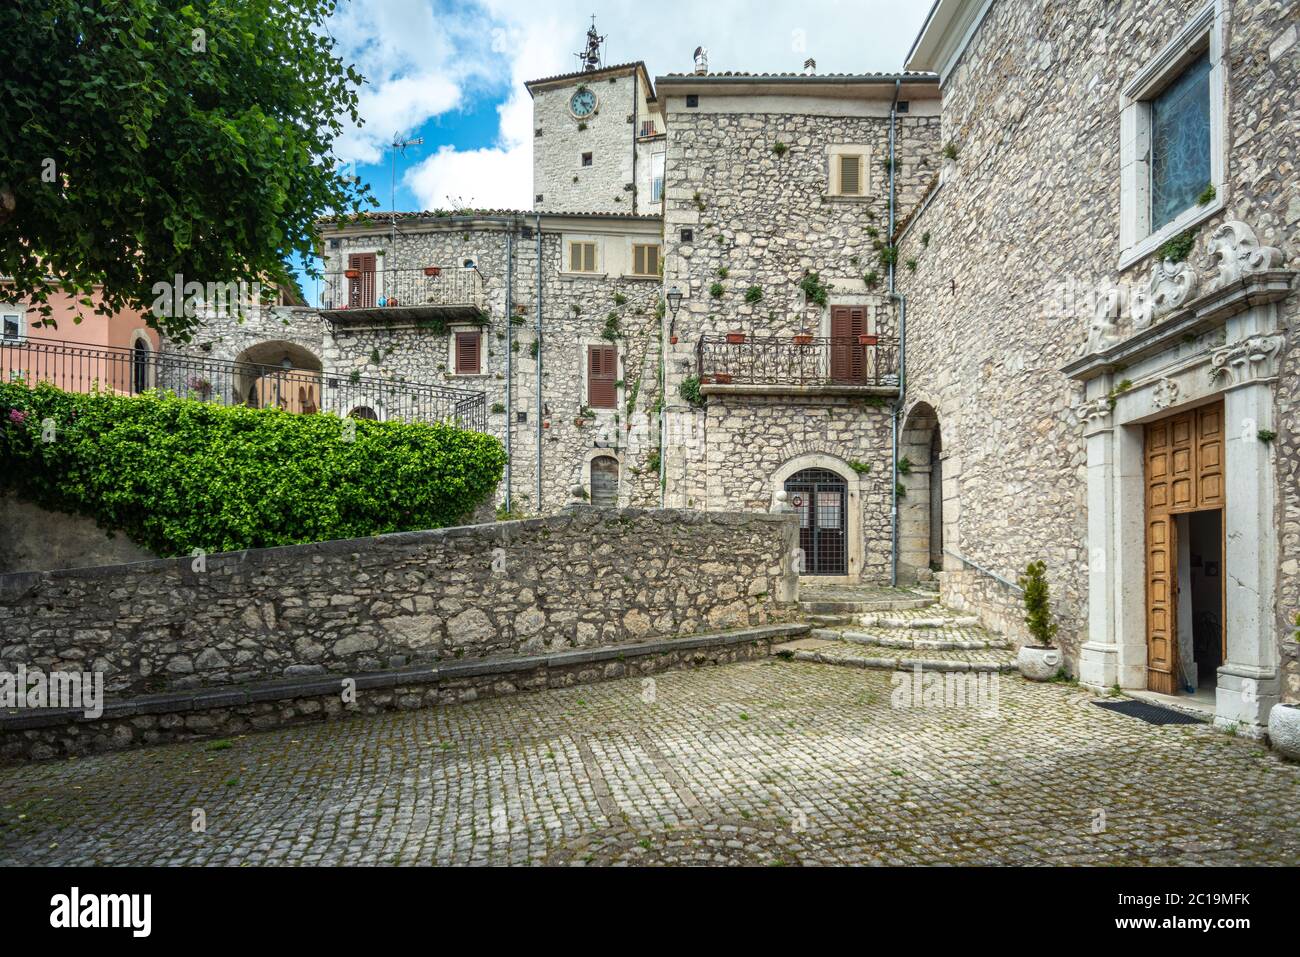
x=315, y=686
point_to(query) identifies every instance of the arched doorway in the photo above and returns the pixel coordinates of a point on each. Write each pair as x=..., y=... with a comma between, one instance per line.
x=920, y=508
x=364, y=412
x=604, y=481
x=140, y=352
x=280, y=375
x=820, y=497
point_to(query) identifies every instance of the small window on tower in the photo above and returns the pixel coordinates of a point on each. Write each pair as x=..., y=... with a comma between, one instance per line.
x=586, y=159
x=692, y=101
x=688, y=235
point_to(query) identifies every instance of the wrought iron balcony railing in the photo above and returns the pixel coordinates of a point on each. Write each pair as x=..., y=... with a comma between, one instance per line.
x=452, y=291
x=859, y=361
x=75, y=367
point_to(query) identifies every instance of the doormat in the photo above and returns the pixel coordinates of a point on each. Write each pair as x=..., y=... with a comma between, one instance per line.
x=1150, y=713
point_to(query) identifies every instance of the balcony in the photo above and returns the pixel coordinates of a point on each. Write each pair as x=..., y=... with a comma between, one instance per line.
x=404, y=295
x=75, y=367
x=797, y=365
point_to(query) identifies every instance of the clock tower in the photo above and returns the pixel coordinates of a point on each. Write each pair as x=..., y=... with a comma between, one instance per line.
x=598, y=137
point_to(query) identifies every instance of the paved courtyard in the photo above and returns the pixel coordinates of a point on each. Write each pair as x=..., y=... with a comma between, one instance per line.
x=773, y=762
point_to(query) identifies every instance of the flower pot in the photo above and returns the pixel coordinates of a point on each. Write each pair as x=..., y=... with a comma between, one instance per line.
x=579, y=422
x=672, y=340
x=433, y=270
x=735, y=338
x=868, y=340
x=1038, y=663
x=352, y=273
x=1284, y=730
x=723, y=378
x=706, y=380
x=803, y=339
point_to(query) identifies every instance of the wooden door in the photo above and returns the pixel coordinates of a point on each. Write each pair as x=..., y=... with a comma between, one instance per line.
x=848, y=358
x=361, y=290
x=1184, y=473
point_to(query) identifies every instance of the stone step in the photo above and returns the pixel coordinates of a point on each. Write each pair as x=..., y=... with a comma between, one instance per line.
x=967, y=640
x=863, y=607
x=850, y=655
x=928, y=619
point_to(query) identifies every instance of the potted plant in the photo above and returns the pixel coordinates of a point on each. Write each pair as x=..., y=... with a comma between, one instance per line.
x=865, y=340
x=433, y=271
x=352, y=273
x=803, y=338
x=735, y=338
x=1041, y=660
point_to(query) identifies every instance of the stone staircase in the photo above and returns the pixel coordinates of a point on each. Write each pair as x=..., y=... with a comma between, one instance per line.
x=894, y=629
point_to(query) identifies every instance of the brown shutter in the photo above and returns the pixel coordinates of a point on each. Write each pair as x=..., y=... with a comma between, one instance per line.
x=467, y=345
x=361, y=291
x=601, y=365
x=851, y=175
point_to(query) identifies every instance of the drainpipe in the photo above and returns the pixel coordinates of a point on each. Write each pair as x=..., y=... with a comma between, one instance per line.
x=636, y=82
x=510, y=311
x=902, y=328
x=539, y=362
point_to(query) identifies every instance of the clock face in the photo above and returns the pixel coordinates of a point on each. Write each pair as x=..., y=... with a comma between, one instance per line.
x=583, y=103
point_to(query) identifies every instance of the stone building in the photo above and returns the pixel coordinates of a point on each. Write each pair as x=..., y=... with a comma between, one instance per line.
x=1026, y=299
x=1097, y=327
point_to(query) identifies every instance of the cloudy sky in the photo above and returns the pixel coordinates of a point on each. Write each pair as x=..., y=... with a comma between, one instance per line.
x=452, y=71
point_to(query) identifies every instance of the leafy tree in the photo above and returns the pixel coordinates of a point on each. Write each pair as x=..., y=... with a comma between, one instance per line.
x=1038, y=611
x=145, y=139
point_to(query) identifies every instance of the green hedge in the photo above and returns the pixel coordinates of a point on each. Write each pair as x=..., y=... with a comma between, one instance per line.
x=175, y=474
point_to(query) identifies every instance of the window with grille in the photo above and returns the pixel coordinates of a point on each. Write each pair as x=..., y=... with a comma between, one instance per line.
x=602, y=372
x=467, y=353
x=12, y=317
x=645, y=259
x=582, y=257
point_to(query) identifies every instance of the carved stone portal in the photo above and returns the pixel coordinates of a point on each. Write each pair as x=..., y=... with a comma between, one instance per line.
x=1234, y=251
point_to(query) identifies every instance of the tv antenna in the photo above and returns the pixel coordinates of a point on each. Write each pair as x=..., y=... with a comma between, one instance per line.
x=399, y=145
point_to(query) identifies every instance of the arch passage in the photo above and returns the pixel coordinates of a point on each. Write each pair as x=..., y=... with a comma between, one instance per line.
x=821, y=498
x=920, y=510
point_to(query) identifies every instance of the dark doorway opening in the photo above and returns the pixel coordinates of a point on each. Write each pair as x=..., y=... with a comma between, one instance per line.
x=821, y=497
x=1200, y=599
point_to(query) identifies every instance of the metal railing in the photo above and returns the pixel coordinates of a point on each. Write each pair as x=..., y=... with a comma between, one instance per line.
x=77, y=367
x=798, y=360
x=432, y=287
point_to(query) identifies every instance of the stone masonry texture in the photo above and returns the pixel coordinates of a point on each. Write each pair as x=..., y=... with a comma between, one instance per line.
x=583, y=578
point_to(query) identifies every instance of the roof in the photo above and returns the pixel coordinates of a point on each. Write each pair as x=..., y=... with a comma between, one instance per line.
x=468, y=215
x=833, y=84
x=909, y=76
x=605, y=71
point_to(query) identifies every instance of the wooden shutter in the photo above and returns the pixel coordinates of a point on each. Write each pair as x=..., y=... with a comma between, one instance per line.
x=848, y=358
x=645, y=260
x=582, y=257
x=850, y=175
x=361, y=291
x=601, y=375
x=467, y=353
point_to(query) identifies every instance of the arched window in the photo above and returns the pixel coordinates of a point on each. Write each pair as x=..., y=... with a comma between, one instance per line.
x=604, y=481
x=364, y=412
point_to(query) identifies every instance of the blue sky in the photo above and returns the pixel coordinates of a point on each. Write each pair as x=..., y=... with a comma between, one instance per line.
x=452, y=72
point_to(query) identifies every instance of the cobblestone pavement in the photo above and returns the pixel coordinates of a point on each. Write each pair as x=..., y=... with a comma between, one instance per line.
x=771, y=762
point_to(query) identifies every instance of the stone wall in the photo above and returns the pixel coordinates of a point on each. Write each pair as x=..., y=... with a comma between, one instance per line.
x=585, y=578
x=749, y=439
x=558, y=174
x=35, y=539
x=1033, y=201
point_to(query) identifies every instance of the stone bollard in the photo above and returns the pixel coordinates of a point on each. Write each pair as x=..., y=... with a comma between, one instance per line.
x=577, y=496
x=781, y=502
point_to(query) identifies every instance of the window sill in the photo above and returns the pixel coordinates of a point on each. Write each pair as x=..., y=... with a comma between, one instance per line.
x=837, y=198
x=1144, y=248
x=582, y=275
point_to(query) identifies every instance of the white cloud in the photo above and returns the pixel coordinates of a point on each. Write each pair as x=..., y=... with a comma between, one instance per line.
x=427, y=58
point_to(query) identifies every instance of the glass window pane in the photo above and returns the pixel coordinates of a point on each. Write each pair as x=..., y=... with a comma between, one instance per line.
x=1180, y=143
